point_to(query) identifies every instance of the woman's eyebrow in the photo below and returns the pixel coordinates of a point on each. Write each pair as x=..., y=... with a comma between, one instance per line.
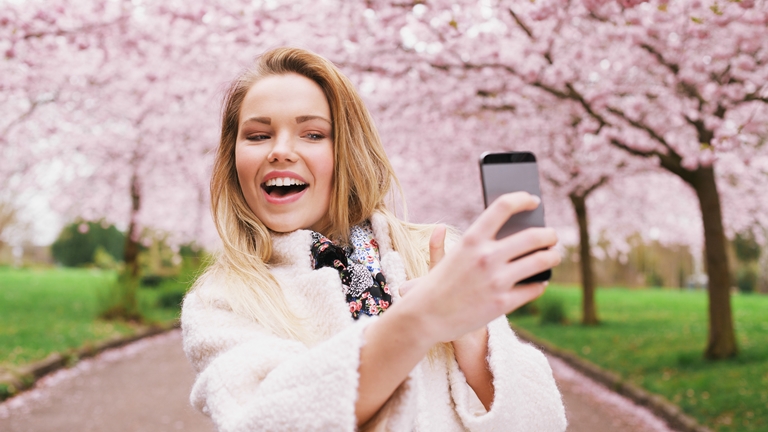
x=302, y=119
x=264, y=120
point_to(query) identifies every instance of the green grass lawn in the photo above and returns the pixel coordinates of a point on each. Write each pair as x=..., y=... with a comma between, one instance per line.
x=55, y=310
x=655, y=339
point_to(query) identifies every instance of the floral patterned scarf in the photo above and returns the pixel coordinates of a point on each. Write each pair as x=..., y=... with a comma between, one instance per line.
x=359, y=268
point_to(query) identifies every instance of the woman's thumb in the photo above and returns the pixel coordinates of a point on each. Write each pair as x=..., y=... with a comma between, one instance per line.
x=436, y=245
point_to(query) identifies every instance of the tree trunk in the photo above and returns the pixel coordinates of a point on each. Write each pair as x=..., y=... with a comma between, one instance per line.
x=722, y=338
x=128, y=308
x=131, y=239
x=589, y=315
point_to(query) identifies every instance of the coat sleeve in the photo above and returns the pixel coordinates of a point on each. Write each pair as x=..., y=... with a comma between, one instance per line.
x=526, y=397
x=250, y=379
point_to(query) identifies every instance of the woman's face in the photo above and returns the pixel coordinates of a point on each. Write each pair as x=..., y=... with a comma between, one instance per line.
x=284, y=153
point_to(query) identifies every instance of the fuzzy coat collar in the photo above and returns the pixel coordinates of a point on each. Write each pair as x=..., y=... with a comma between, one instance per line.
x=293, y=248
x=318, y=294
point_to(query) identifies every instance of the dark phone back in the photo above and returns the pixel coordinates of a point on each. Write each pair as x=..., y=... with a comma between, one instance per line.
x=512, y=172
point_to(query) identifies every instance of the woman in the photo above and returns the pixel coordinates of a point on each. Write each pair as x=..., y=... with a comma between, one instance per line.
x=324, y=311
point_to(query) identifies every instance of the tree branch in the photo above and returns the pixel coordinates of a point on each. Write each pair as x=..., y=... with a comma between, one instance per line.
x=521, y=24
x=705, y=135
x=603, y=180
x=499, y=108
x=642, y=126
x=25, y=115
x=684, y=86
x=670, y=162
x=754, y=96
x=83, y=29
x=675, y=68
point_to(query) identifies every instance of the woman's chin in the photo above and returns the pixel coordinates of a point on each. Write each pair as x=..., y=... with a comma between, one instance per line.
x=283, y=224
x=289, y=221
x=283, y=228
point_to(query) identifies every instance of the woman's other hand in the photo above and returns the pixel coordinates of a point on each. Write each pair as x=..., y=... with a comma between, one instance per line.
x=436, y=253
x=475, y=283
x=464, y=290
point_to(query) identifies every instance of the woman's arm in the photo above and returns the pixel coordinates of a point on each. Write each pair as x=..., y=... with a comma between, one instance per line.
x=394, y=345
x=471, y=352
x=251, y=379
x=471, y=286
x=526, y=397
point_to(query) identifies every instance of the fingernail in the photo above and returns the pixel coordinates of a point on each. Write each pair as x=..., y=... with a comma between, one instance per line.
x=537, y=199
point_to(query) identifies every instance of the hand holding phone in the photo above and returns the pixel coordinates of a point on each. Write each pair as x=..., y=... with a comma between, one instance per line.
x=512, y=172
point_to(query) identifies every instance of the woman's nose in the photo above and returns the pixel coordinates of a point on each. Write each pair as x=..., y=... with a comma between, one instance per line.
x=282, y=150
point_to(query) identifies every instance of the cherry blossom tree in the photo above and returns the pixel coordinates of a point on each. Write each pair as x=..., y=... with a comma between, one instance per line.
x=679, y=83
x=30, y=86
x=121, y=100
x=134, y=90
x=577, y=165
x=123, y=116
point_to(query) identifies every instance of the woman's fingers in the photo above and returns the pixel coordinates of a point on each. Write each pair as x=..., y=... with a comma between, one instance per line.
x=493, y=218
x=436, y=246
x=529, y=265
x=523, y=294
x=469, y=287
x=525, y=242
x=407, y=286
x=436, y=253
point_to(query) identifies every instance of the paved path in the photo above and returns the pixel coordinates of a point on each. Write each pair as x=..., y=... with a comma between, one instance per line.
x=590, y=407
x=144, y=387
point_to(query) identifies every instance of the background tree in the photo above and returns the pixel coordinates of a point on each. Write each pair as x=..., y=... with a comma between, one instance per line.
x=681, y=84
x=123, y=97
x=572, y=172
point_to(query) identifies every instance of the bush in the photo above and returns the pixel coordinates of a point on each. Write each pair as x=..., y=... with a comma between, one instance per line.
x=654, y=279
x=171, y=297
x=191, y=250
x=103, y=260
x=120, y=301
x=152, y=281
x=746, y=279
x=526, y=309
x=79, y=241
x=171, y=291
x=745, y=246
x=6, y=391
x=553, y=310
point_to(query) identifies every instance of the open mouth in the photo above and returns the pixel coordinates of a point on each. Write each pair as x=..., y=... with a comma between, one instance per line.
x=283, y=186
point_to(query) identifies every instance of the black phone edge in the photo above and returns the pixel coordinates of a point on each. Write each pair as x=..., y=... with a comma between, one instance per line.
x=544, y=276
x=506, y=157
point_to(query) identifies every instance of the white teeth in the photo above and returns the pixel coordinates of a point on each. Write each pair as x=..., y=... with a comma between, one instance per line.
x=283, y=181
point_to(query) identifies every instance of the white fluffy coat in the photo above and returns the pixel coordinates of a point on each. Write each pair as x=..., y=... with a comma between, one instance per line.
x=252, y=380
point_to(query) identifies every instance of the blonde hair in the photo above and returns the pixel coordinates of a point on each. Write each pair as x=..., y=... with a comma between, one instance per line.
x=361, y=183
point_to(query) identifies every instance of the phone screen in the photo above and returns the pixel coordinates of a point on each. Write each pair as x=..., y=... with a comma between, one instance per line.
x=512, y=172
x=504, y=175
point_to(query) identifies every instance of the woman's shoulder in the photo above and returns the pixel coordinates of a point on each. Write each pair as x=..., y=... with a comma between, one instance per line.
x=204, y=293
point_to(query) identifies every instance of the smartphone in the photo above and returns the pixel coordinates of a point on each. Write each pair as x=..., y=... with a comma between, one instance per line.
x=512, y=172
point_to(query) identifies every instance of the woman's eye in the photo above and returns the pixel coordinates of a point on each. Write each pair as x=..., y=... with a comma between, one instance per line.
x=315, y=136
x=257, y=137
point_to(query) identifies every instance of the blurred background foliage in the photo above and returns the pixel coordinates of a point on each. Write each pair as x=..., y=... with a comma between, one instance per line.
x=84, y=243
